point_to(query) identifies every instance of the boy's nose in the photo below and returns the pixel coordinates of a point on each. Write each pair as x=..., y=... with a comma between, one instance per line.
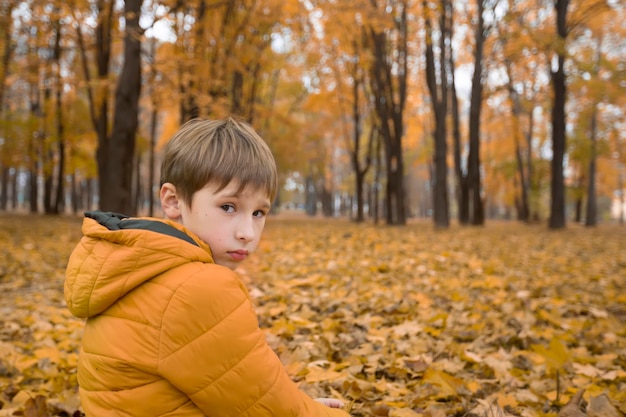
x=245, y=231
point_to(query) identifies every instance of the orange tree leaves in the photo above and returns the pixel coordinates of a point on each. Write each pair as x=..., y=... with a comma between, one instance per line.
x=503, y=320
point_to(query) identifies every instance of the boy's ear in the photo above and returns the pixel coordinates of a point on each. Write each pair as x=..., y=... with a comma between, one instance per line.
x=170, y=201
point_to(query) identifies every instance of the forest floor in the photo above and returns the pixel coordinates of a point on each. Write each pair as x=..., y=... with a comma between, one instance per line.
x=505, y=319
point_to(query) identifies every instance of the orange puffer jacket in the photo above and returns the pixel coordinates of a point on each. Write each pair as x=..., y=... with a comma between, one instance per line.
x=168, y=332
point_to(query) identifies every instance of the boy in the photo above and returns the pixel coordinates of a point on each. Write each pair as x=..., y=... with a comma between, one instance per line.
x=171, y=330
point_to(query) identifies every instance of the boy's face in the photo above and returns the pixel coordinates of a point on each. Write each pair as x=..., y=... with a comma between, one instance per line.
x=230, y=223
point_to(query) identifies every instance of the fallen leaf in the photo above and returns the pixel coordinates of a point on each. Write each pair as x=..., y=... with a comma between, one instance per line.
x=403, y=412
x=574, y=407
x=448, y=384
x=601, y=406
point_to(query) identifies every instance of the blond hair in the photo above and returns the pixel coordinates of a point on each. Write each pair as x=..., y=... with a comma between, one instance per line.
x=217, y=152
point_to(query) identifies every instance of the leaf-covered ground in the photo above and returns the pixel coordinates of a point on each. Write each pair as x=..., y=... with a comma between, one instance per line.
x=508, y=319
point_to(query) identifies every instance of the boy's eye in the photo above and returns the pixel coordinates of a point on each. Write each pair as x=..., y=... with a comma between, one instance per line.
x=259, y=213
x=228, y=208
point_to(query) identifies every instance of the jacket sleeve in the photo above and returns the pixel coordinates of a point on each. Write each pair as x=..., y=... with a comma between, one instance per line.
x=212, y=349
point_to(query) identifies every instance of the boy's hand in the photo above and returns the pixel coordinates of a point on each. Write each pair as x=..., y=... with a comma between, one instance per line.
x=330, y=402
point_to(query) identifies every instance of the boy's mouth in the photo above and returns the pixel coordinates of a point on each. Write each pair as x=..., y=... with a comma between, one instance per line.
x=238, y=255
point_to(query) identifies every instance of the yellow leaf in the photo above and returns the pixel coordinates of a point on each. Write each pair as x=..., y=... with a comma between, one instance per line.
x=20, y=399
x=432, y=331
x=318, y=374
x=469, y=356
x=506, y=400
x=474, y=386
x=294, y=368
x=24, y=363
x=525, y=396
x=337, y=395
x=36, y=407
x=550, y=318
x=556, y=355
x=587, y=370
x=381, y=385
x=404, y=412
x=449, y=385
x=48, y=352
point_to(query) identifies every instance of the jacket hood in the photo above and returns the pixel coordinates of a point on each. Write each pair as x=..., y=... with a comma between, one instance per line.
x=118, y=253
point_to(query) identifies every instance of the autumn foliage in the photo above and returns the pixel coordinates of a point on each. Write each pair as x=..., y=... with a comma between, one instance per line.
x=508, y=319
x=420, y=107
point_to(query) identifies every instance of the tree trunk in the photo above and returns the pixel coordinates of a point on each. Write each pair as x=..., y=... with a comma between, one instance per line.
x=6, y=21
x=34, y=150
x=473, y=163
x=237, y=93
x=532, y=188
x=136, y=188
x=90, y=185
x=620, y=187
x=14, y=190
x=353, y=139
x=154, y=113
x=523, y=211
x=359, y=180
x=557, y=203
x=377, y=180
x=438, y=94
x=462, y=188
x=578, y=209
x=389, y=89
x=47, y=152
x=74, y=196
x=4, y=196
x=48, y=184
x=99, y=100
x=255, y=80
x=116, y=185
x=359, y=172
x=59, y=200
x=310, y=196
x=591, y=219
x=33, y=194
x=187, y=82
x=153, y=128
x=327, y=202
x=462, y=191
